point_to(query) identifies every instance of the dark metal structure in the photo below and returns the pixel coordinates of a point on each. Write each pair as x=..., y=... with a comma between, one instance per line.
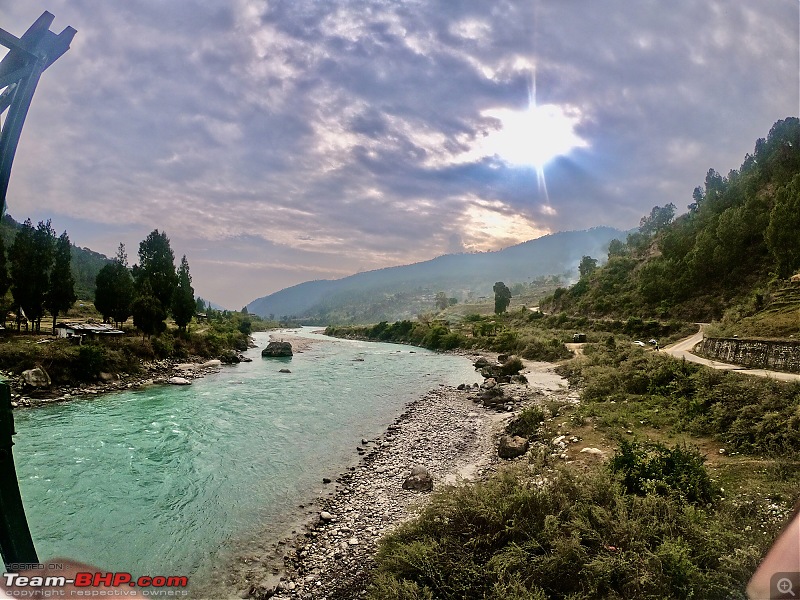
x=20, y=70
x=15, y=536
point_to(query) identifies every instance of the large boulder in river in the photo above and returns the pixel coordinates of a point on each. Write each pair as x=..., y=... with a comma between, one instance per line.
x=229, y=357
x=36, y=377
x=178, y=381
x=512, y=446
x=277, y=349
x=419, y=480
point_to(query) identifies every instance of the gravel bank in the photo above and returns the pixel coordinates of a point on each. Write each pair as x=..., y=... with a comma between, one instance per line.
x=447, y=432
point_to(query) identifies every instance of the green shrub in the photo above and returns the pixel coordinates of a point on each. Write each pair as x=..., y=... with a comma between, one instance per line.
x=527, y=423
x=575, y=536
x=654, y=468
x=512, y=366
x=91, y=361
x=506, y=342
x=451, y=341
x=550, y=351
x=162, y=346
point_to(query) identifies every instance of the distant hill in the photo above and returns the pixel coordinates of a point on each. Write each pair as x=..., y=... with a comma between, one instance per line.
x=404, y=291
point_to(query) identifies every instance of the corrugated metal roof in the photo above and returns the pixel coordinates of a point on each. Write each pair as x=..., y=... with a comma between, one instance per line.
x=90, y=327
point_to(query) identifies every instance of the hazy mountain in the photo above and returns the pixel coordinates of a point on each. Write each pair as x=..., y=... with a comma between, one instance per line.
x=396, y=292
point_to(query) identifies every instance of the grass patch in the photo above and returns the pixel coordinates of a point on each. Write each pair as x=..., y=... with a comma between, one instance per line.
x=747, y=414
x=558, y=534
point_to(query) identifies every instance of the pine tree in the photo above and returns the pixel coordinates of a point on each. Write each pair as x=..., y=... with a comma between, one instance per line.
x=31, y=257
x=157, y=267
x=114, y=289
x=183, y=303
x=61, y=294
x=148, y=314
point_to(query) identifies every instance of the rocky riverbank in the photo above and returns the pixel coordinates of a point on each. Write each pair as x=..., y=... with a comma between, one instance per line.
x=35, y=389
x=448, y=436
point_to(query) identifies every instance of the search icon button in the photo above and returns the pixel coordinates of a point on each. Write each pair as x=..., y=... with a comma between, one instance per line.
x=784, y=586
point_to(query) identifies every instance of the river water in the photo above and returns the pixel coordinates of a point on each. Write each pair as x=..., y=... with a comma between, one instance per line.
x=174, y=479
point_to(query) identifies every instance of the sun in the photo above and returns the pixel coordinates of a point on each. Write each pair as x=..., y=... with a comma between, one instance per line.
x=533, y=137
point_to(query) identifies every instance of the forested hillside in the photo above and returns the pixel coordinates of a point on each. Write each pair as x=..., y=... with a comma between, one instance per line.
x=739, y=238
x=405, y=291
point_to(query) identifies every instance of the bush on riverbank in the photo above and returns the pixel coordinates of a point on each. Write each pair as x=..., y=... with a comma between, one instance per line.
x=528, y=423
x=748, y=414
x=555, y=534
x=435, y=336
x=653, y=468
x=438, y=336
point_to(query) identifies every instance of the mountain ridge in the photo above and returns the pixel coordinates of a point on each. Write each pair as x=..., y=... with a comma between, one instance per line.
x=457, y=274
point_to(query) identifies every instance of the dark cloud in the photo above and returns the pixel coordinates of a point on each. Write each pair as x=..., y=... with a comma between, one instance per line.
x=281, y=141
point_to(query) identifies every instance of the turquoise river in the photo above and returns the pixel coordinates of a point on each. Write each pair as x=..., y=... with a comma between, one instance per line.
x=177, y=480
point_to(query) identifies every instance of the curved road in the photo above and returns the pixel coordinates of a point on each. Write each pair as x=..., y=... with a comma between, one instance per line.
x=683, y=349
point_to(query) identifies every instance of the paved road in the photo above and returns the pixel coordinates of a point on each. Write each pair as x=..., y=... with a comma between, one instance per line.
x=683, y=349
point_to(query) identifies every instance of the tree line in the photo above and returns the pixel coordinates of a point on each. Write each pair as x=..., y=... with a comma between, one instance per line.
x=36, y=269
x=148, y=291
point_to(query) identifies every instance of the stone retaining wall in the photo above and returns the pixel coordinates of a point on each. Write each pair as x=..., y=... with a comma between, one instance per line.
x=757, y=354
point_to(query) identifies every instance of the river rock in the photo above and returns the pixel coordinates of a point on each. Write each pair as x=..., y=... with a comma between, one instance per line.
x=210, y=364
x=269, y=586
x=481, y=363
x=284, y=371
x=246, y=592
x=229, y=357
x=512, y=446
x=419, y=480
x=277, y=349
x=178, y=381
x=492, y=397
x=593, y=451
x=36, y=377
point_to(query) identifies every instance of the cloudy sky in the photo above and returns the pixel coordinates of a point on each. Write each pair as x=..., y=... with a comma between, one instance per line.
x=281, y=141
